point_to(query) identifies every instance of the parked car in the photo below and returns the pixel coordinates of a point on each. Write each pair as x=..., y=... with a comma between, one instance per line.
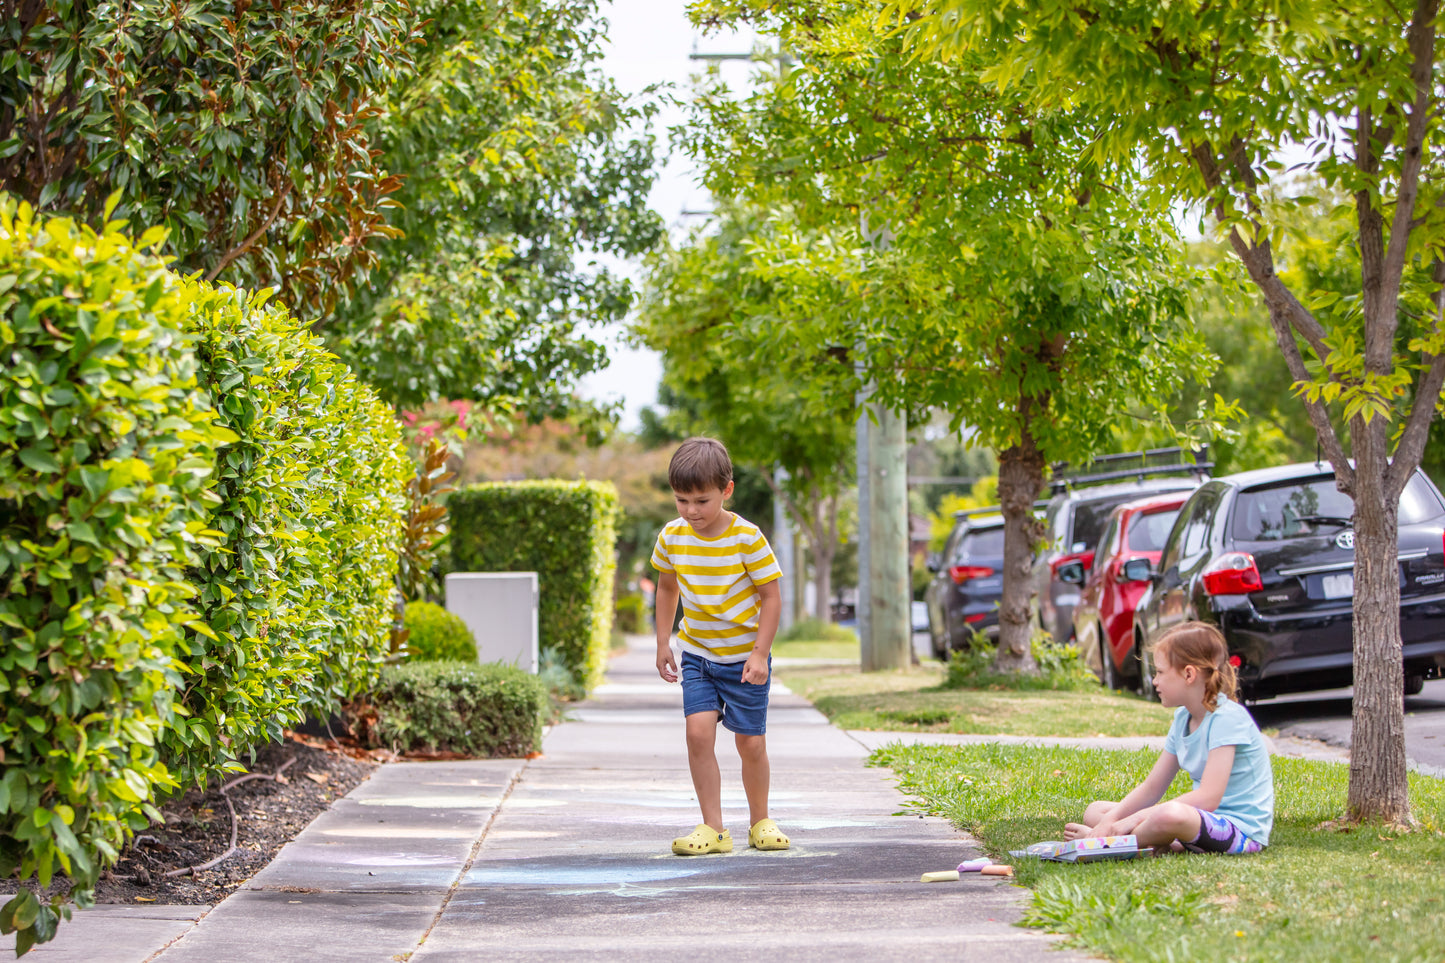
x=1268, y=556
x=1104, y=617
x=1074, y=520
x=967, y=582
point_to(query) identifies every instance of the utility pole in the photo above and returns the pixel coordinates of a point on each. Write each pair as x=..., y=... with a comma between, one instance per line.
x=884, y=611
x=784, y=547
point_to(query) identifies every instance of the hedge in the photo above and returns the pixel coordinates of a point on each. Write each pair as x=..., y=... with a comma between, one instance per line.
x=106, y=447
x=299, y=599
x=564, y=531
x=435, y=635
x=462, y=707
x=200, y=514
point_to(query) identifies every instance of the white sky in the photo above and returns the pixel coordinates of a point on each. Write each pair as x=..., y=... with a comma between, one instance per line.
x=650, y=42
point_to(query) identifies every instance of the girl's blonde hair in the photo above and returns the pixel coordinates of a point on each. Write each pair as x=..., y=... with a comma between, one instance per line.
x=1201, y=645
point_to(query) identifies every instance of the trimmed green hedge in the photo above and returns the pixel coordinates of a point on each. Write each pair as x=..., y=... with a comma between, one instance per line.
x=477, y=710
x=436, y=635
x=106, y=448
x=299, y=598
x=564, y=531
x=200, y=516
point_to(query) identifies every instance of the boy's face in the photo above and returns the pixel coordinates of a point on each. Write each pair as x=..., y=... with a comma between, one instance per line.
x=703, y=509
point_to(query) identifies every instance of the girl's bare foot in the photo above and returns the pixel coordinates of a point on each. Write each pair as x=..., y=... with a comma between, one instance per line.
x=1074, y=831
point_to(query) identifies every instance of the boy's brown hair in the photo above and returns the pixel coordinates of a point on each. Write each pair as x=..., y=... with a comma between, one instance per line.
x=700, y=464
x=1201, y=645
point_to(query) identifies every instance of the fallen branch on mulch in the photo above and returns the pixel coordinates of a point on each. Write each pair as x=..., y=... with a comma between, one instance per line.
x=235, y=820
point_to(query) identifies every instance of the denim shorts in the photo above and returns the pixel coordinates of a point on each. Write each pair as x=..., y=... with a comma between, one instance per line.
x=709, y=686
x=1219, y=834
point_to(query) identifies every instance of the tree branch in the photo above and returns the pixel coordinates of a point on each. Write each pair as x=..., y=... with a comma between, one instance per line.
x=245, y=245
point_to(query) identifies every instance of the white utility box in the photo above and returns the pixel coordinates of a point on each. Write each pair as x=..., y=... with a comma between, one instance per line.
x=501, y=610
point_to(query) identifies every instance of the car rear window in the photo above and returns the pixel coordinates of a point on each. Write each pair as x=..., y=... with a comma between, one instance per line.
x=1300, y=509
x=1090, y=519
x=981, y=543
x=1147, y=532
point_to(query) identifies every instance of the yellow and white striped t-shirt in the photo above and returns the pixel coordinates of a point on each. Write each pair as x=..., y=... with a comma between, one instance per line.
x=718, y=578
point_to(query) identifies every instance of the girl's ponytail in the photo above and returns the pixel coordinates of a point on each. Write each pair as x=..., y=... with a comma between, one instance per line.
x=1201, y=645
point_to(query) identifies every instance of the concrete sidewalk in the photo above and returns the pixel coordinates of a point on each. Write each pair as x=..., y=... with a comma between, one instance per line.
x=568, y=854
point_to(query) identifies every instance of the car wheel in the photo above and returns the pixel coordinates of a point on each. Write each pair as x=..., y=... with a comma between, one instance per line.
x=1146, y=672
x=1106, y=657
x=1414, y=682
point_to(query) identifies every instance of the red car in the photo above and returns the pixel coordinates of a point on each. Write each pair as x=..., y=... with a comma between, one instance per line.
x=1104, y=617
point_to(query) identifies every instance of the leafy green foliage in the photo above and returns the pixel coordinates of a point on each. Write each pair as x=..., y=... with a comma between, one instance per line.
x=436, y=635
x=566, y=533
x=816, y=630
x=517, y=166
x=630, y=614
x=1060, y=667
x=477, y=710
x=298, y=598
x=107, y=446
x=240, y=127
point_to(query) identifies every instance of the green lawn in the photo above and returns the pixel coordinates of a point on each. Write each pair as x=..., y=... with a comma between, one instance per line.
x=807, y=649
x=1368, y=894
x=911, y=701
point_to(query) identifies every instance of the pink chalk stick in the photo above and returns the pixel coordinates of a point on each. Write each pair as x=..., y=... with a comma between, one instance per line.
x=973, y=865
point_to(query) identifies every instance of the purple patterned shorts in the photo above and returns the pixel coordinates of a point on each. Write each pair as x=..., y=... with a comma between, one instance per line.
x=1218, y=835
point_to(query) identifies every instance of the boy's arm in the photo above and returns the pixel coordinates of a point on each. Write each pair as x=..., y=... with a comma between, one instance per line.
x=667, y=595
x=770, y=601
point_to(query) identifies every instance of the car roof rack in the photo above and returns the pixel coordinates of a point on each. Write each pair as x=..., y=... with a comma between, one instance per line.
x=1134, y=464
x=1039, y=506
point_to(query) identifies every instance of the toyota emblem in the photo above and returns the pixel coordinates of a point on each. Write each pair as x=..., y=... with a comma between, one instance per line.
x=1346, y=539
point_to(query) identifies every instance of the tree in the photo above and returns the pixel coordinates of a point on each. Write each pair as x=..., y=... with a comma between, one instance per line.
x=517, y=165
x=240, y=127
x=696, y=310
x=1025, y=293
x=1206, y=97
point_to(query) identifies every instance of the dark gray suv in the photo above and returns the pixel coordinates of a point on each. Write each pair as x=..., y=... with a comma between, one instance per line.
x=1076, y=517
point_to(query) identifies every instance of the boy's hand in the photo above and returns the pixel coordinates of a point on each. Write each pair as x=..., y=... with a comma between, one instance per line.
x=666, y=665
x=755, y=670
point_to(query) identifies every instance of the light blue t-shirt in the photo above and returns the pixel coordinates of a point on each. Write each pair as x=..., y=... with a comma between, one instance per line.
x=1249, y=795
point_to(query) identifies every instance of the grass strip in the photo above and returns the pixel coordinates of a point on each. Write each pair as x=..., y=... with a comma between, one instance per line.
x=1313, y=894
x=914, y=701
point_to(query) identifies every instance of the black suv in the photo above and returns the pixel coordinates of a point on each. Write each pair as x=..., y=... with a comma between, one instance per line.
x=967, y=583
x=1076, y=517
x=1268, y=556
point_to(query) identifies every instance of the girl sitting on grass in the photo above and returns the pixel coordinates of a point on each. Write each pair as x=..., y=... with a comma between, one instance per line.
x=1231, y=807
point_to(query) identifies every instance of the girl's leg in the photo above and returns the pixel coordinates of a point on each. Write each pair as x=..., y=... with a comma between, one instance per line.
x=1161, y=825
x=756, y=774
x=1093, y=815
x=702, y=761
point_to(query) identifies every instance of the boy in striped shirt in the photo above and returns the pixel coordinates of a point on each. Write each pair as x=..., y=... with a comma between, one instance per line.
x=721, y=567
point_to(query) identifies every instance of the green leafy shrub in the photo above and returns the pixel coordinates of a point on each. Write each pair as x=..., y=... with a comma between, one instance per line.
x=630, y=614
x=298, y=598
x=107, y=445
x=816, y=630
x=1060, y=667
x=561, y=682
x=566, y=532
x=437, y=635
x=477, y=710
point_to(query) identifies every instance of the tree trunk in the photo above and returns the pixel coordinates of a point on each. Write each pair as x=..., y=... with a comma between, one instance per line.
x=1020, y=477
x=823, y=550
x=1377, y=743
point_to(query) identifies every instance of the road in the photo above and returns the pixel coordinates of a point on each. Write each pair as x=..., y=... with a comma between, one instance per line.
x=1326, y=716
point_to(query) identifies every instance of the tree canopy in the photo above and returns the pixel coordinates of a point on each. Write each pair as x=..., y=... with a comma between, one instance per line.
x=1207, y=99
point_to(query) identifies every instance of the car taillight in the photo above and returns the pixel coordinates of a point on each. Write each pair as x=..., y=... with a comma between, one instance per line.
x=975, y=617
x=1087, y=558
x=1236, y=661
x=1232, y=574
x=962, y=573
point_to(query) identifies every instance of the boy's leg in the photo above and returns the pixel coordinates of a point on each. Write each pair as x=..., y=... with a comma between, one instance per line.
x=753, y=750
x=702, y=761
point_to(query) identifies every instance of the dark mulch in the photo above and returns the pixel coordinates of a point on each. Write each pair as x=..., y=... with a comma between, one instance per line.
x=269, y=813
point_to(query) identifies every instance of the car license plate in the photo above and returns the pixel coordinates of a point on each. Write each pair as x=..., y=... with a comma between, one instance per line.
x=1338, y=586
